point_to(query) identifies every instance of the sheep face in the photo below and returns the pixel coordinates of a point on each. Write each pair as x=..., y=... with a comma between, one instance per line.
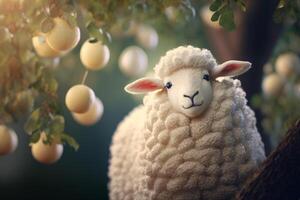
x=189, y=90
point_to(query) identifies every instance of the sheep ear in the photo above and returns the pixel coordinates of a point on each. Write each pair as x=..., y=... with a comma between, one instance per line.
x=231, y=68
x=144, y=85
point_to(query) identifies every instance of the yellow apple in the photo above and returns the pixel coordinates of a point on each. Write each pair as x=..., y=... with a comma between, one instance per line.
x=133, y=61
x=272, y=85
x=8, y=140
x=94, y=55
x=79, y=98
x=147, y=36
x=92, y=116
x=63, y=37
x=45, y=153
x=287, y=64
x=42, y=48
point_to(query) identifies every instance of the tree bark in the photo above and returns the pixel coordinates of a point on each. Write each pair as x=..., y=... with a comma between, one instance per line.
x=279, y=176
x=260, y=35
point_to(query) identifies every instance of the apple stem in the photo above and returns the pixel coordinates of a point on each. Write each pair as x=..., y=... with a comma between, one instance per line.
x=84, y=77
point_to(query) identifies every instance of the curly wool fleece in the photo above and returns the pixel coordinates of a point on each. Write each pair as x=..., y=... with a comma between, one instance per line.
x=159, y=153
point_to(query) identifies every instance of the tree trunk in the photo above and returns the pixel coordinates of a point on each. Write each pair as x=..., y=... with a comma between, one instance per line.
x=279, y=176
x=253, y=40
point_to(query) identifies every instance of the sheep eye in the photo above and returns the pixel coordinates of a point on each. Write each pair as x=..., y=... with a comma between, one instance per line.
x=168, y=85
x=206, y=77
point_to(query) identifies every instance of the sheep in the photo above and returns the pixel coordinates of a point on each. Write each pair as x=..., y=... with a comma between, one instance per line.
x=194, y=137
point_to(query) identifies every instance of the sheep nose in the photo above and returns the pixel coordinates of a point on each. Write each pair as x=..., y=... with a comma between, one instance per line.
x=191, y=97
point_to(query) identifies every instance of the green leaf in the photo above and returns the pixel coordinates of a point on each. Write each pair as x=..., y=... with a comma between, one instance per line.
x=256, y=101
x=94, y=31
x=57, y=125
x=227, y=20
x=98, y=34
x=215, y=16
x=34, y=122
x=215, y=5
x=281, y=3
x=70, y=140
x=242, y=5
x=51, y=85
x=34, y=138
x=48, y=140
x=47, y=82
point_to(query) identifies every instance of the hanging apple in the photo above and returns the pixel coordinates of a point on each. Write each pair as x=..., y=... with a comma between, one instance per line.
x=171, y=13
x=42, y=48
x=147, y=36
x=94, y=55
x=287, y=64
x=79, y=98
x=46, y=153
x=272, y=85
x=92, y=116
x=62, y=37
x=8, y=140
x=133, y=61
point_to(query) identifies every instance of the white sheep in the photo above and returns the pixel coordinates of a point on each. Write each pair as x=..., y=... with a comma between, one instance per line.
x=194, y=137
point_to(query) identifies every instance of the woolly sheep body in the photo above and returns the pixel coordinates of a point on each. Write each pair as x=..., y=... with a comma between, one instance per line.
x=159, y=153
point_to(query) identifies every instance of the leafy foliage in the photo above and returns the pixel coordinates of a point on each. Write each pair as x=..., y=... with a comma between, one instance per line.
x=27, y=81
x=102, y=16
x=224, y=12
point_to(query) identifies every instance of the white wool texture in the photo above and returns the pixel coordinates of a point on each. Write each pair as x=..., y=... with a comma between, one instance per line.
x=184, y=57
x=159, y=153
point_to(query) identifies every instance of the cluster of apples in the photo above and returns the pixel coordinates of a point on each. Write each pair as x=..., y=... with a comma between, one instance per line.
x=287, y=65
x=85, y=107
x=44, y=153
x=61, y=39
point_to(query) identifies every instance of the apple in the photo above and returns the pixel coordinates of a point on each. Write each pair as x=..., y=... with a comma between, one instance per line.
x=8, y=140
x=42, y=48
x=92, y=116
x=272, y=85
x=133, y=61
x=147, y=36
x=79, y=98
x=287, y=64
x=46, y=153
x=94, y=55
x=62, y=37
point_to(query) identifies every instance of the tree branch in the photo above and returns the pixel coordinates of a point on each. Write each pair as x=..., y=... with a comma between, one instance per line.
x=279, y=176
